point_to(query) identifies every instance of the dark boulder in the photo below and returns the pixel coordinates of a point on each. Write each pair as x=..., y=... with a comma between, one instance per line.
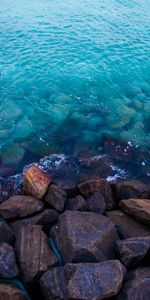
x=127, y=226
x=8, y=267
x=56, y=197
x=77, y=203
x=96, y=203
x=129, y=189
x=20, y=206
x=138, y=208
x=6, y=234
x=33, y=251
x=88, y=281
x=84, y=237
x=11, y=292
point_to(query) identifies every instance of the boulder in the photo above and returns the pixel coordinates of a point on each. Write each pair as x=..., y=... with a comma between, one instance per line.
x=138, y=208
x=127, y=226
x=36, y=182
x=11, y=292
x=77, y=203
x=6, y=234
x=133, y=250
x=8, y=267
x=33, y=251
x=88, y=281
x=129, y=189
x=84, y=237
x=56, y=197
x=89, y=187
x=20, y=206
x=96, y=203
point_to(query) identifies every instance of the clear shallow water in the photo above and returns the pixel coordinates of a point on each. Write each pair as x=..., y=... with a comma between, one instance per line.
x=72, y=74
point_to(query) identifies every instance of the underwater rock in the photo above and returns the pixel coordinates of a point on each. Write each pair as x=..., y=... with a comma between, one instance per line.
x=8, y=267
x=33, y=251
x=96, y=203
x=77, y=203
x=8, y=157
x=138, y=208
x=6, y=234
x=127, y=226
x=129, y=189
x=36, y=182
x=11, y=292
x=83, y=281
x=56, y=197
x=89, y=187
x=84, y=237
x=133, y=250
x=20, y=206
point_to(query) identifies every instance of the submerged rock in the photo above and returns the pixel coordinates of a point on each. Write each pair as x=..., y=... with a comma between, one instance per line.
x=36, y=182
x=88, y=281
x=11, y=292
x=56, y=197
x=84, y=237
x=138, y=208
x=8, y=267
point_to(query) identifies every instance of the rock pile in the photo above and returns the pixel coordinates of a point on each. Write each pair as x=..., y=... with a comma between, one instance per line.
x=89, y=242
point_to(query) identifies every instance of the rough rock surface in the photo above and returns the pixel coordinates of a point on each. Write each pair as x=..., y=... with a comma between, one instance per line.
x=77, y=203
x=84, y=237
x=8, y=267
x=36, y=182
x=133, y=250
x=6, y=234
x=56, y=197
x=138, y=208
x=89, y=187
x=20, y=206
x=33, y=252
x=89, y=281
x=129, y=189
x=11, y=292
x=127, y=226
x=96, y=203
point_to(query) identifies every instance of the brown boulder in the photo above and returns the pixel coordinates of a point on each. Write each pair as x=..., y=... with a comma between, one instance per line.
x=96, y=203
x=20, y=206
x=33, y=251
x=36, y=182
x=138, y=208
x=8, y=267
x=129, y=189
x=56, y=197
x=11, y=292
x=77, y=203
x=127, y=226
x=89, y=187
x=84, y=237
x=88, y=281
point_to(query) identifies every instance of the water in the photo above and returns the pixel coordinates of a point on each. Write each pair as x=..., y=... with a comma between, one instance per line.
x=73, y=75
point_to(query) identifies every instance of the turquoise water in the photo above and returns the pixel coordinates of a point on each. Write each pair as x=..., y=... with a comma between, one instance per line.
x=71, y=74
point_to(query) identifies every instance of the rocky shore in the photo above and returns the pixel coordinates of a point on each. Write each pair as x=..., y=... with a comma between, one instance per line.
x=86, y=242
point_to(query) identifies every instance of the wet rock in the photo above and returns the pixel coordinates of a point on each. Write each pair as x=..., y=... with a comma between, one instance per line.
x=129, y=189
x=84, y=237
x=56, y=197
x=89, y=187
x=138, y=208
x=8, y=267
x=36, y=182
x=96, y=203
x=6, y=234
x=77, y=203
x=11, y=292
x=133, y=250
x=88, y=281
x=34, y=254
x=20, y=206
x=127, y=226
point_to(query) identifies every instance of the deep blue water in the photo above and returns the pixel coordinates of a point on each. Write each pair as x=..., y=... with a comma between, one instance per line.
x=72, y=74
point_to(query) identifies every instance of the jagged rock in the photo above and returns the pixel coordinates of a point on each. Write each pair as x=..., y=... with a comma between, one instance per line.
x=88, y=281
x=96, y=203
x=36, y=182
x=8, y=267
x=127, y=226
x=20, y=206
x=129, y=189
x=56, y=197
x=89, y=187
x=6, y=234
x=77, y=203
x=33, y=251
x=138, y=208
x=11, y=292
x=133, y=250
x=84, y=237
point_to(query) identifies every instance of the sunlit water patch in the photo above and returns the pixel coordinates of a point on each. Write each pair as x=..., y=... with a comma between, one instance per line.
x=72, y=74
